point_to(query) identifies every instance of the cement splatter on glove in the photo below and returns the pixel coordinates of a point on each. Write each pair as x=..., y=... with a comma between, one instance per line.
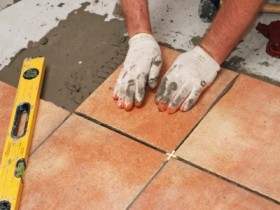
x=183, y=83
x=141, y=66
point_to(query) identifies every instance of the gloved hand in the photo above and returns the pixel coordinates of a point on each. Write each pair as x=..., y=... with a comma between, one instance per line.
x=141, y=66
x=183, y=83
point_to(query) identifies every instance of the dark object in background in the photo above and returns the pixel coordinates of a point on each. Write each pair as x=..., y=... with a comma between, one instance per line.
x=272, y=32
x=208, y=9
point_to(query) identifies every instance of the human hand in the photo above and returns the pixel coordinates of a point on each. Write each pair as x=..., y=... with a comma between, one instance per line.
x=183, y=83
x=141, y=66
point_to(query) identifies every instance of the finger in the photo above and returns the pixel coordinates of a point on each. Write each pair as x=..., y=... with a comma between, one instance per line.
x=121, y=96
x=121, y=103
x=154, y=72
x=129, y=95
x=179, y=98
x=161, y=90
x=162, y=107
x=190, y=101
x=168, y=95
x=163, y=84
x=117, y=86
x=140, y=89
x=115, y=93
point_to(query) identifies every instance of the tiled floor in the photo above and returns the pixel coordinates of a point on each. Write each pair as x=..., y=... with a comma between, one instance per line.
x=147, y=123
x=180, y=186
x=239, y=137
x=226, y=151
x=86, y=166
x=49, y=117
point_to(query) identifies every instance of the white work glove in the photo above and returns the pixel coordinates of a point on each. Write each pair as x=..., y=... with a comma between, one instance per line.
x=183, y=83
x=141, y=66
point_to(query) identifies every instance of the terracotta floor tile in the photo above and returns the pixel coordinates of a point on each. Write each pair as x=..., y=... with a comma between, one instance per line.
x=86, y=166
x=239, y=137
x=48, y=119
x=147, y=123
x=180, y=186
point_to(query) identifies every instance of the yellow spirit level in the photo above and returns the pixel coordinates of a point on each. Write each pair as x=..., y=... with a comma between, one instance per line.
x=21, y=127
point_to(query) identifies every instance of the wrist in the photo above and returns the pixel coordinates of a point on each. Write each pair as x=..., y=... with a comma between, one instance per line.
x=132, y=33
x=205, y=61
x=141, y=37
x=217, y=56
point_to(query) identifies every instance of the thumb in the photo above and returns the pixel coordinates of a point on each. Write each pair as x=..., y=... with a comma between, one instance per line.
x=154, y=72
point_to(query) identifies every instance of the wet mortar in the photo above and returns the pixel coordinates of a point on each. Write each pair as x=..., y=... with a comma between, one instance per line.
x=237, y=63
x=81, y=52
x=196, y=40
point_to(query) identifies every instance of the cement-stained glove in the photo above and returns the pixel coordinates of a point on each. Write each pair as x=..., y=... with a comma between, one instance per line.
x=183, y=83
x=141, y=66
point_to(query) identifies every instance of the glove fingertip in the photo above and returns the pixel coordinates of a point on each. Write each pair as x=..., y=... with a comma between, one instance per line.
x=115, y=97
x=138, y=103
x=171, y=110
x=139, y=94
x=128, y=107
x=182, y=109
x=121, y=104
x=157, y=99
x=162, y=107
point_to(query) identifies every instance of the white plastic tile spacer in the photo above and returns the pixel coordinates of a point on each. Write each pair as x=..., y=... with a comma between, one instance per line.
x=171, y=155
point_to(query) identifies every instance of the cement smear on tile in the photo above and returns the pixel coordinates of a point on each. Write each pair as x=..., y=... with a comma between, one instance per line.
x=81, y=52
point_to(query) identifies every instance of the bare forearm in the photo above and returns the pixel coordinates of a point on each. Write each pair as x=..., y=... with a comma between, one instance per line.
x=137, y=16
x=232, y=21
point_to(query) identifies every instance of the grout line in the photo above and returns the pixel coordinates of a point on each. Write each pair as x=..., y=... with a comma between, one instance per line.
x=227, y=180
x=263, y=78
x=224, y=92
x=36, y=148
x=169, y=155
x=220, y=96
x=148, y=182
x=172, y=155
x=120, y=132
